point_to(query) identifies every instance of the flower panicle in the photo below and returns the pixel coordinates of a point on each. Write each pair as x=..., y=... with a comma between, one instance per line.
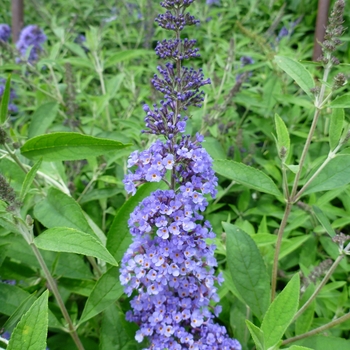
x=169, y=269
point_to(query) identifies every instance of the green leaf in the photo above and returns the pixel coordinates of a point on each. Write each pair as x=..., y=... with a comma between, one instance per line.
x=247, y=269
x=341, y=102
x=22, y=308
x=291, y=244
x=298, y=347
x=68, y=146
x=325, y=342
x=77, y=49
x=214, y=148
x=247, y=176
x=125, y=55
x=281, y=312
x=304, y=321
x=31, y=330
x=42, y=118
x=297, y=72
x=322, y=218
x=79, y=62
x=11, y=297
x=59, y=209
x=106, y=291
x=257, y=335
x=336, y=127
x=28, y=180
x=335, y=174
x=5, y=101
x=116, y=332
x=65, y=239
x=283, y=141
x=119, y=238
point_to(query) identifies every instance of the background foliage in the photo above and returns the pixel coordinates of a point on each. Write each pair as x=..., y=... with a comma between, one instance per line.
x=92, y=93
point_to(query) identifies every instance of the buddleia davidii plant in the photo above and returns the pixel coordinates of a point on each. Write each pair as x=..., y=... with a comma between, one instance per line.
x=169, y=269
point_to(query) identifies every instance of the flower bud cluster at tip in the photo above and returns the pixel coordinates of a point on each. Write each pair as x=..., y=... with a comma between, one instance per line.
x=169, y=268
x=183, y=88
x=31, y=38
x=5, y=32
x=8, y=195
x=333, y=31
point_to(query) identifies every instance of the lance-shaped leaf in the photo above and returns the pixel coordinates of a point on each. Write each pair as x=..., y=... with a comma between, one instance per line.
x=297, y=72
x=59, y=209
x=42, y=118
x=247, y=269
x=257, y=335
x=125, y=55
x=106, y=291
x=281, y=312
x=31, y=331
x=341, y=102
x=247, y=176
x=5, y=99
x=28, y=180
x=335, y=174
x=322, y=218
x=65, y=239
x=116, y=332
x=336, y=127
x=21, y=309
x=68, y=146
x=283, y=141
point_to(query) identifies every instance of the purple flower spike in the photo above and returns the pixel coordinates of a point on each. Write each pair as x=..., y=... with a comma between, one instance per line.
x=169, y=268
x=31, y=38
x=5, y=32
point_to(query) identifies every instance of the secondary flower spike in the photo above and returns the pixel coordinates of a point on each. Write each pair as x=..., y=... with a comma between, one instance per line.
x=169, y=268
x=31, y=38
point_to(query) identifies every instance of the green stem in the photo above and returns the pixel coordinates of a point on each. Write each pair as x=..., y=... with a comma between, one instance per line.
x=224, y=192
x=99, y=71
x=53, y=287
x=318, y=104
x=321, y=285
x=13, y=155
x=291, y=199
x=330, y=156
x=318, y=330
x=58, y=92
x=14, y=158
x=278, y=248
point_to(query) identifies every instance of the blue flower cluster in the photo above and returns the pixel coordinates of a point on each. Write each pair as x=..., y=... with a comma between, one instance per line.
x=5, y=32
x=170, y=268
x=31, y=38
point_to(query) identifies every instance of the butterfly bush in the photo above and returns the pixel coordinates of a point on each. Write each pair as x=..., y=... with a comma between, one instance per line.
x=169, y=269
